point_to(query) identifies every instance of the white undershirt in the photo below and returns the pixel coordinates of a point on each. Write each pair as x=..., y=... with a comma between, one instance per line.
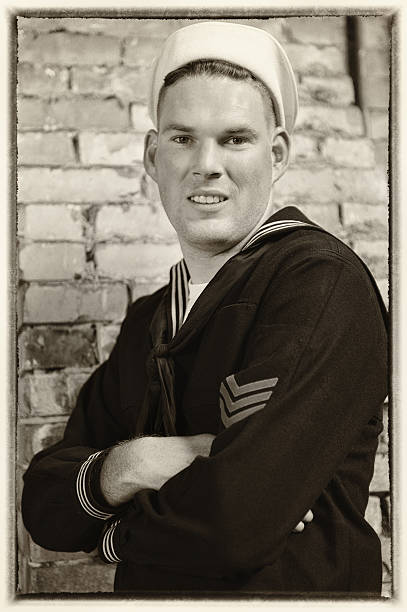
x=195, y=291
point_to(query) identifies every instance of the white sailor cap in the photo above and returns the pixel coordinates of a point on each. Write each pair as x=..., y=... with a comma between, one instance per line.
x=247, y=46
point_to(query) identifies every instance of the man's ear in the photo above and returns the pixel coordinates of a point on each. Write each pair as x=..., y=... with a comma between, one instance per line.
x=281, y=147
x=150, y=149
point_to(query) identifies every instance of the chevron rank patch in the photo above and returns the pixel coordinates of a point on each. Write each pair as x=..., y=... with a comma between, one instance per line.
x=240, y=401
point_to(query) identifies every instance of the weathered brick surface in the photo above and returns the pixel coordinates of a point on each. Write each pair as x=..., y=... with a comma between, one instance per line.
x=34, y=438
x=111, y=149
x=73, y=578
x=87, y=113
x=41, y=81
x=50, y=394
x=304, y=148
x=125, y=83
x=314, y=60
x=136, y=260
x=377, y=91
x=299, y=185
x=358, y=214
x=106, y=338
x=378, y=124
x=380, y=482
x=140, y=120
x=31, y=113
x=373, y=514
x=56, y=347
x=141, y=289
x=336, y=91
x=358, y=153
x=140, y=51
x=133, y=222
x=53, y=149
x=47, y=261
x=320, y=30
x=364, y=186
x=374, y=32
x=325, y=215
x=78, y=185
x=326, y=120
x=68, y=304
x=50, y=222
x=69, y=49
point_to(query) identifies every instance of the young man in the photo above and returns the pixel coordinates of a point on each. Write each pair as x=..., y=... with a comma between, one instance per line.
x=245, y=397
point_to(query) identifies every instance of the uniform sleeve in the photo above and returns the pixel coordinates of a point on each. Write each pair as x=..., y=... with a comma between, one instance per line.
x=313, y=375
x=59, y=506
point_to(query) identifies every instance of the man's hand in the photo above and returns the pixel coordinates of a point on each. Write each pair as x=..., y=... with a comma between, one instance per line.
x=147, y=463
x=306, y=519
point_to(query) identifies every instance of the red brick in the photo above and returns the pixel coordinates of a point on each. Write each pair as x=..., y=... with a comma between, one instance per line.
x=43, y=395
x=60, y=303
x=140, y=119
x=125, y=83
x=40, y=81
x=59, y=261
x=360, y=214
x=141, y=289
x=31, y=113
x=87, y=113
x=53, y=149
x=376, y=91
x=337, y=91
x=326, y=120
x=106, y=339
x=362, y=186
x=56, y=347
x=70, y=49
x=309, y=59
x=140, y=51
x=299, y=185
x=373, y=513
x=304, y=148
x=78, y=185
x=378, y=124
x=374, y=32
x=51, y=222
x=136, y=260
x=357, y=153
x=133, y=222
x=380, y=482
x=317, y=30
x=73, y=578
x=111, y=149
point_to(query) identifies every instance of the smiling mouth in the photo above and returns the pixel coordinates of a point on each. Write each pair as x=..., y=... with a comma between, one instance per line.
x=209, y=199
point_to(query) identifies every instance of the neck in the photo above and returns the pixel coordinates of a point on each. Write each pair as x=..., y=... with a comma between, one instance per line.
x=203, y=265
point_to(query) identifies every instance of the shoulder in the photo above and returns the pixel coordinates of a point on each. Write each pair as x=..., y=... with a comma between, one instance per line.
x=140, y=312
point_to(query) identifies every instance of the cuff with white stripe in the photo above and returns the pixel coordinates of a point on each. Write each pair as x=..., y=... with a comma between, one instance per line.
x=106, y=548
x=84, y=489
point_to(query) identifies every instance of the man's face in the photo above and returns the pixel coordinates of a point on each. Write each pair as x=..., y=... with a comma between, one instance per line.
x=212, y=160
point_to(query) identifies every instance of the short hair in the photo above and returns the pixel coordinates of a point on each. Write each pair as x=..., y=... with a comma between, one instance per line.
x=219, y=68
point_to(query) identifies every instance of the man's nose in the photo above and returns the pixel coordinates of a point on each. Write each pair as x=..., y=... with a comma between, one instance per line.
x=208, y=161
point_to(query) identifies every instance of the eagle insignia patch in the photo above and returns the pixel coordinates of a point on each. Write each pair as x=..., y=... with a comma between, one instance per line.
x=240, y=401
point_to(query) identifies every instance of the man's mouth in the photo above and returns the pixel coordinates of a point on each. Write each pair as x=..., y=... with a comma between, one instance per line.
x=207, y=199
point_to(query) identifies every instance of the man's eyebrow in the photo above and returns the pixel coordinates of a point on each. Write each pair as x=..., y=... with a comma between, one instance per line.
x=243, y=129
x=177, y=127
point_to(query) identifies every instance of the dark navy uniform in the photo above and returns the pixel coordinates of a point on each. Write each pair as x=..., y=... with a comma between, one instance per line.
x=283, y=358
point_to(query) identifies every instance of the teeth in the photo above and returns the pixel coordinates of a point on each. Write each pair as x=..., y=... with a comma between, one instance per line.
x=207, y=199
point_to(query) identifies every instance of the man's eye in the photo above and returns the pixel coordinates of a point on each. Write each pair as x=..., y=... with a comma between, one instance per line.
x=182, y=139
x=238, y=140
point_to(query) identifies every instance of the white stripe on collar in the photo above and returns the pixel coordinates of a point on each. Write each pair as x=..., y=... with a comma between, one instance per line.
x=273, y=227
x=179, y=275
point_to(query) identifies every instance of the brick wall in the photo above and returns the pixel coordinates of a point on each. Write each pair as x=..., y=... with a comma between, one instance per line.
x=93, y=237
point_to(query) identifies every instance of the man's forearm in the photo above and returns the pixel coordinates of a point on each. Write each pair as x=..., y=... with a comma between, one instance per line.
x=147, y=463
